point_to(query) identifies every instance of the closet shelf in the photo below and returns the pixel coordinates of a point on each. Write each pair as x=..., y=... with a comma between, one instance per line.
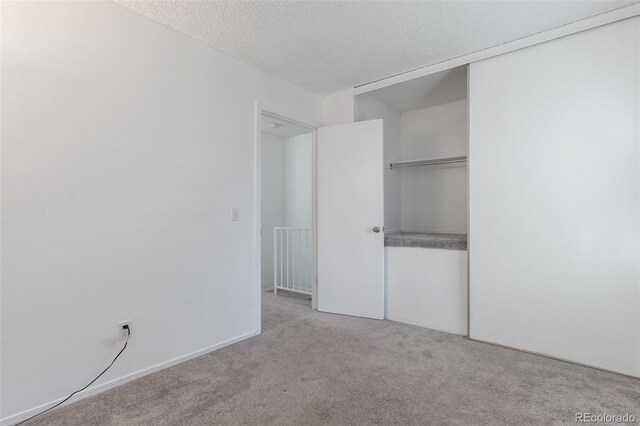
x=435, y=240
x=444, y=161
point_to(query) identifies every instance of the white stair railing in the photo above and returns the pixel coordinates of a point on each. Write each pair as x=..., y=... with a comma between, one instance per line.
x=292, y=260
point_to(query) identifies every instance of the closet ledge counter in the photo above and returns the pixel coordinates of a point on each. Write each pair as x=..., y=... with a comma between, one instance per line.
x=426, y=240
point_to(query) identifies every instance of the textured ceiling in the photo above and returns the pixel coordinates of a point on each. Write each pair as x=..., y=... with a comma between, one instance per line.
x=327, y=46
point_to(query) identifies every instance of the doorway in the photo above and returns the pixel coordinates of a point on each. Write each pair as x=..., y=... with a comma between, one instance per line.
x=286, y=209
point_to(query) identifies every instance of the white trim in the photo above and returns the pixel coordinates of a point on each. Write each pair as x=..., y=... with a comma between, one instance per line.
x=562, y=31
x=469, y=165
x=94, y=390
x=275, y=112
x=314, y=219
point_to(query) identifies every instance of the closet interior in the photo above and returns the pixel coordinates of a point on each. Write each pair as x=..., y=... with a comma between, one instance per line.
x=425, y=197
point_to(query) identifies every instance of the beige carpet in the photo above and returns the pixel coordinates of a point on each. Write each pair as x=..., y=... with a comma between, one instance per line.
x=314, y=368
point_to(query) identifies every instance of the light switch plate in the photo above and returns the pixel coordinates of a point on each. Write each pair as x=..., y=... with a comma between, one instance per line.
x=235, y=214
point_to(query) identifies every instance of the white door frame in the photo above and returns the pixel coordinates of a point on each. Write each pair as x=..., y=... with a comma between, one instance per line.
x=275, y=112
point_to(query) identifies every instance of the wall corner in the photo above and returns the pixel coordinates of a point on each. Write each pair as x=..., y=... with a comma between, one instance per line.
x=338, y=107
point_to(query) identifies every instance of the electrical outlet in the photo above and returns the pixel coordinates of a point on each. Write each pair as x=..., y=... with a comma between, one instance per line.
x=235, y=214
x=122, y=323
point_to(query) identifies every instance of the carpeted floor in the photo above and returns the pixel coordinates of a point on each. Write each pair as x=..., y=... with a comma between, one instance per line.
x=314, y=368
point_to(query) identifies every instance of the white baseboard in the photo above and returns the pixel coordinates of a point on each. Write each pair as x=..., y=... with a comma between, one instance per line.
x=94, y=390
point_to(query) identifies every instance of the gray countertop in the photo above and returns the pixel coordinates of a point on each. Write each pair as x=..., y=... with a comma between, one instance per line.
x=426, y=240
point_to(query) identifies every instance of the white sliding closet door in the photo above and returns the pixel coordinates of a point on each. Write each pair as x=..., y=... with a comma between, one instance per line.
x=350, y=219
x=554, y=173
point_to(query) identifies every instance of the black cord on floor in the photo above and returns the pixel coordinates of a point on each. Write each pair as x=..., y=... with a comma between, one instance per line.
x=79, y=390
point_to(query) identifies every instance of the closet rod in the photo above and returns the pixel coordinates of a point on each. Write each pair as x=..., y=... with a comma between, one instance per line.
x=460, y=161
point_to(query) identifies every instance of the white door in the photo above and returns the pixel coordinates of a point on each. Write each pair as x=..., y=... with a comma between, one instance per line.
x=350, y=219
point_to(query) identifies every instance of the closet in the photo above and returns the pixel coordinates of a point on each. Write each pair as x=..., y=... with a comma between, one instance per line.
x=425, y=197
x=535, y=154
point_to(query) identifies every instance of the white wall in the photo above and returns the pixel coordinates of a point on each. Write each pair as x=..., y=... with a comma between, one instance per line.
x=273, y=208
x=339, y=107
x=298, y=181
x=434, y=199
x=427, y=287
x=554, y=198
x=369, y=108
x=124, y=147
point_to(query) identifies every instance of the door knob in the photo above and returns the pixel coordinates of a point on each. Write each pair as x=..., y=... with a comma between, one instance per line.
x=376, y=229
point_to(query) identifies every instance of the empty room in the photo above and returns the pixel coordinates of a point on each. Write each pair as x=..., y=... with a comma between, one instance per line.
x=319, y=212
